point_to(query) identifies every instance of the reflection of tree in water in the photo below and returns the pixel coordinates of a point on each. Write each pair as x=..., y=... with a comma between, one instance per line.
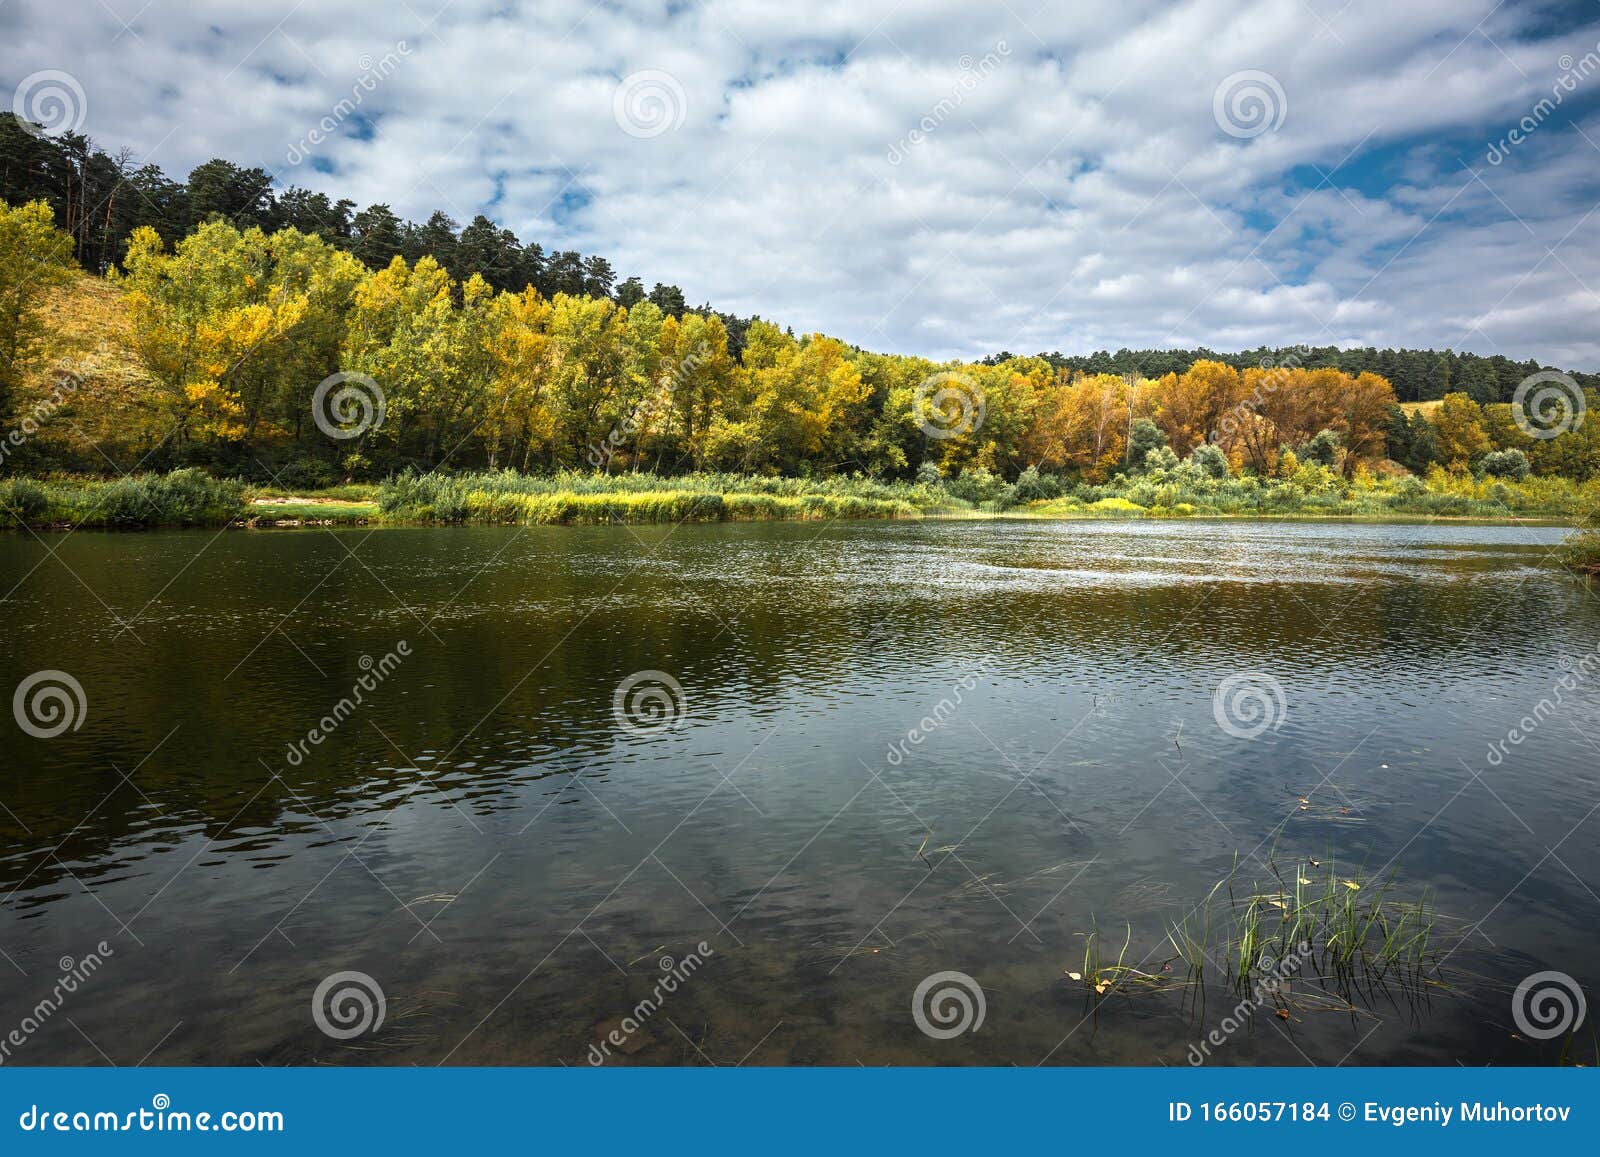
x=808, y=613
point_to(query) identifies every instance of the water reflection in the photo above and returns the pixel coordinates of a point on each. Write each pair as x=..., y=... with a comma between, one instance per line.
x=480, y=835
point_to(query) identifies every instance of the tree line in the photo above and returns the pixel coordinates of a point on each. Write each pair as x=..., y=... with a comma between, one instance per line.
x=101, y=199
x=1416, y=375
x=266, y=349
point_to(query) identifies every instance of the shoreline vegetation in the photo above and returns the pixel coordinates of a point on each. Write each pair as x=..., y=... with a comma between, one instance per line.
x=204, y=374
x=192, y=498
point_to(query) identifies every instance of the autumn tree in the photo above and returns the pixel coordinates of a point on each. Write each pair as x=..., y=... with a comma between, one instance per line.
x=237, y=328
x=1458, y=423
x=34, y=258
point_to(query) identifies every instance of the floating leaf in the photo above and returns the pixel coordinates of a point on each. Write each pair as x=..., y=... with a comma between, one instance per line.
x=1074, y=976
x=1303, y=880
x=1352, y=885
x=1283, y=1014
x=1102, y=986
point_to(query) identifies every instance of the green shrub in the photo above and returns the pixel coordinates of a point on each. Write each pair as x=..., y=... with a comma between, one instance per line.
x=1511, y=464
x=1208, y=460
x=23, y=502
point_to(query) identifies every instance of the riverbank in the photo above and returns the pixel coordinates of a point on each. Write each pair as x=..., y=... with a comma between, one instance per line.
x=193, y=498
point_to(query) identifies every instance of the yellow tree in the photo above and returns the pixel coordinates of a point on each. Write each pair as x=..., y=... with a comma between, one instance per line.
x=35, y=257
x=795, y=398
x=701, y=376
x=518, y=405
x=399, y=334
x=236, y=328
x=1458, y=423
x=1366, y=403
x=589, y=341
x=1196, y=402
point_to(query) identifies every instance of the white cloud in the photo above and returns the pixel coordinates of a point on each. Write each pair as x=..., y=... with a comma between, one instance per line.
x=1079, y=194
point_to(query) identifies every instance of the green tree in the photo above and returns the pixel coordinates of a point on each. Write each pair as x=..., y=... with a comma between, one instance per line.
x=1458, y=425
x=35, y=256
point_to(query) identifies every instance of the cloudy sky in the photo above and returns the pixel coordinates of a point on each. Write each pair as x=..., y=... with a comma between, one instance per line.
x=947, y=178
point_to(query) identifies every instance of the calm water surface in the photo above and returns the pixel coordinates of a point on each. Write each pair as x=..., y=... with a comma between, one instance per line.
x=1029, y=704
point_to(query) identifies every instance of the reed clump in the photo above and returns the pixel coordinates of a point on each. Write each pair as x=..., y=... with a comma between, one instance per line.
x=518, y=499
x=1344, y=930
x=189, y=497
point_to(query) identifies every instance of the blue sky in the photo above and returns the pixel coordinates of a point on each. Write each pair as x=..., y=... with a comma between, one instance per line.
x=940, y=178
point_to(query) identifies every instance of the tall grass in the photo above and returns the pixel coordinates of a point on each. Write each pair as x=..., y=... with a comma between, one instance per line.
x=1581, y=553
x=182, y=498
x=1318, y=491
x=1339, y=930
x=509, y=497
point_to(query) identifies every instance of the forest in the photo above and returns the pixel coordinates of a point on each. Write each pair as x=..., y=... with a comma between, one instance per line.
x=282, y=338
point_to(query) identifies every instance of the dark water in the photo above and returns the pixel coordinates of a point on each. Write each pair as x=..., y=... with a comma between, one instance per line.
x=508, y=860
